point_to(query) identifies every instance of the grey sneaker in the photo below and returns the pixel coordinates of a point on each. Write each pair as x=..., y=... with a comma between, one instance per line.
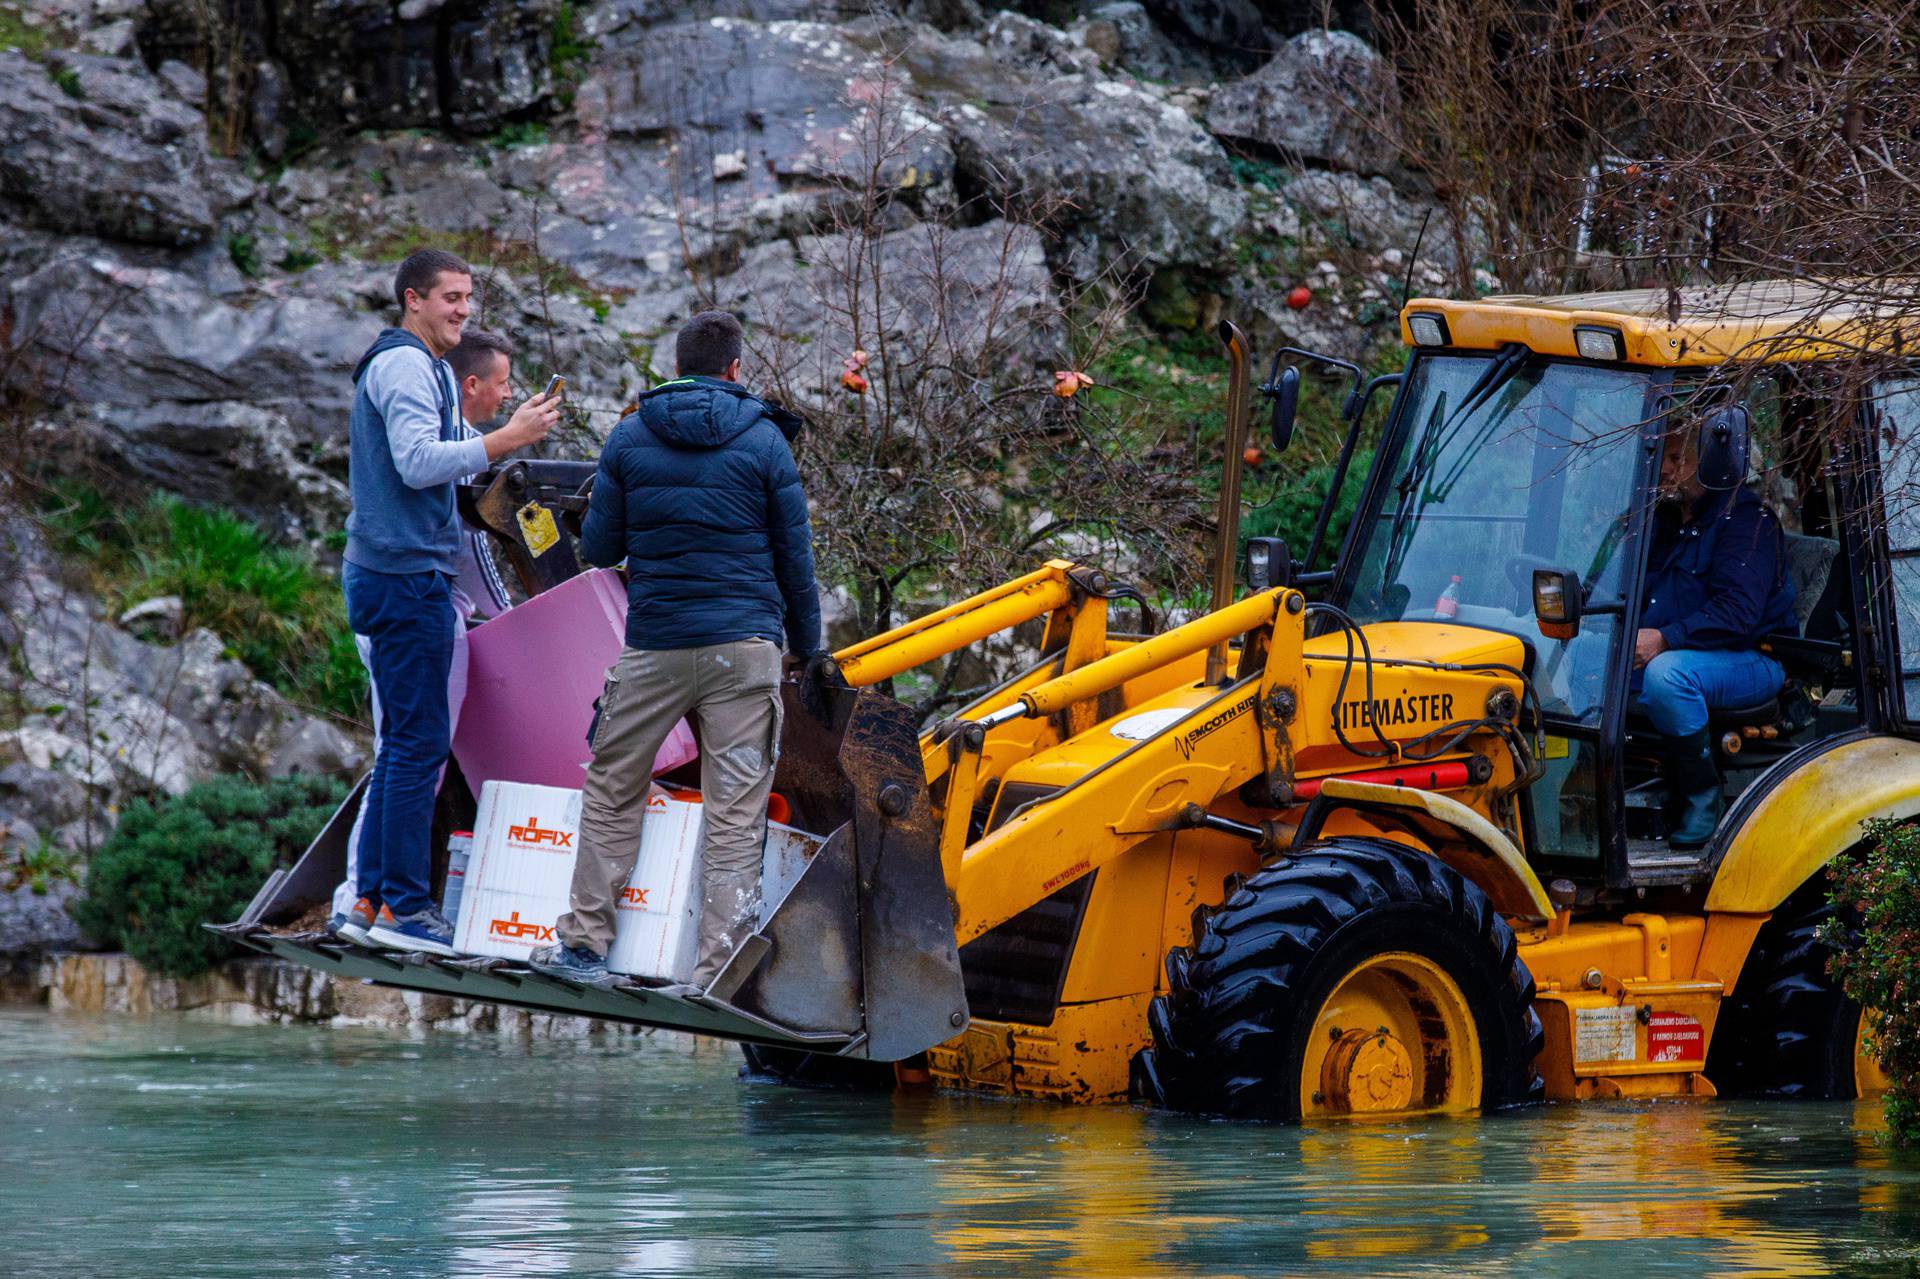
x=677, y=989
x=576, y=964
x=427, y=932
x=355, y=924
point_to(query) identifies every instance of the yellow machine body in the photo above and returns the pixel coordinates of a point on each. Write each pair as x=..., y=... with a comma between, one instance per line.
x=1106, y=750
x=1097, y=810
x=1120, y=759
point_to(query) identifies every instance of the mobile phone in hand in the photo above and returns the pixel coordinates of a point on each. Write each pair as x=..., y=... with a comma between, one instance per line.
x=556, y=385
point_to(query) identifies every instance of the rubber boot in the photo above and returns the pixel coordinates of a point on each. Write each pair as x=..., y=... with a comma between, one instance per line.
x=1693, y=783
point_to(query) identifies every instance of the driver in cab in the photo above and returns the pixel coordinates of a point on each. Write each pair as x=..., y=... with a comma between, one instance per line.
x=1716, y=586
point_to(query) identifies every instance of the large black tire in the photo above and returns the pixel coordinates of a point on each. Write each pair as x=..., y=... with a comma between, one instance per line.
x=816, y=1070
x=1229, y=1036
x=1788, y=1030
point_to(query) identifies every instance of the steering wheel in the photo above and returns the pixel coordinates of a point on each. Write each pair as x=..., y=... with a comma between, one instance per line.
x=1520, y=573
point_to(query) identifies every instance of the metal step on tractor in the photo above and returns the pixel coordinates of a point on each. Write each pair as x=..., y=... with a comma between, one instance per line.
x=1385, y=833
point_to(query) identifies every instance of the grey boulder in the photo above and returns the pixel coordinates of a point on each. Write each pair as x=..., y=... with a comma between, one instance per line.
x=1227, y=28
x=1327, y=97
x=94, y=145
x=32, y=922
x=953, y=292
x=49, y=797
x=1123, y=176
x=316, y=747
x=420, y=64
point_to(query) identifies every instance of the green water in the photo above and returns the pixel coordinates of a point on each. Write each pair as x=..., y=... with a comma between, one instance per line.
x=176, y=1148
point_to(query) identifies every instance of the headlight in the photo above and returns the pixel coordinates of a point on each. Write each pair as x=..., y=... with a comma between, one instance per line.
x=1267, y=563
x=1428, y=329
x=1597, y=343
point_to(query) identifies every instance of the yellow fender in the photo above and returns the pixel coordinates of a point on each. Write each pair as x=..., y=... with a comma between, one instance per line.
x=1813, y=815
x=1484, y=855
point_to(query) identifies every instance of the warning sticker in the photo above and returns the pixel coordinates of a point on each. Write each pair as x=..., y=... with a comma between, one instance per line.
x=537, y=526
x=1603, y=1034
x=1675, y=1037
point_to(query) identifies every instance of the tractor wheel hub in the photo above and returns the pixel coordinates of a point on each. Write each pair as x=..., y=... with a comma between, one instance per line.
x=1368, y=1071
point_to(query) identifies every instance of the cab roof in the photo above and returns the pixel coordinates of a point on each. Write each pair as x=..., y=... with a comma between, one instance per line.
x=1771, y=320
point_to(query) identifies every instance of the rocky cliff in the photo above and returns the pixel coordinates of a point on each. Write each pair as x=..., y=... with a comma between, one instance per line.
x=201, y=205
x=201, y=215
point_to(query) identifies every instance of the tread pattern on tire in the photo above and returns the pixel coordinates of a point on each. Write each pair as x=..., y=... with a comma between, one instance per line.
x=1233, y=994
x=1788, y=1030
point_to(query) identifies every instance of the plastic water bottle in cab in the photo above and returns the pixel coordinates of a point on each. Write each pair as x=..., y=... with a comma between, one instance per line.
x=459, y=849
x=1448, y=605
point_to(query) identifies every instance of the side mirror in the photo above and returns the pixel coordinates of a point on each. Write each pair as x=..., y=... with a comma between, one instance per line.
x=1556, y=602
x=1268, y=564
x=1723, y=448
x=1284, y=391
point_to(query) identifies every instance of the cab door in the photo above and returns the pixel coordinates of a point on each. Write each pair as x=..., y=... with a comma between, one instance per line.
x=1888, y=589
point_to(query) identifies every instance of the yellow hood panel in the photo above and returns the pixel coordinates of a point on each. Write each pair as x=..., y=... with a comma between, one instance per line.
x=1426, y=642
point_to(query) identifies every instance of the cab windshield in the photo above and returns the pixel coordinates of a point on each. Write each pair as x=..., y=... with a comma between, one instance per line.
x=1506, y=463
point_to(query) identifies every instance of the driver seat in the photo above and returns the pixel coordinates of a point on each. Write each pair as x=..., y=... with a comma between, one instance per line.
x=1737, y=717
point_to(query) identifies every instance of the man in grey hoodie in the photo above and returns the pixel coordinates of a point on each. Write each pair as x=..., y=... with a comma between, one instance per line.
x=483, y=365
x=404, y=540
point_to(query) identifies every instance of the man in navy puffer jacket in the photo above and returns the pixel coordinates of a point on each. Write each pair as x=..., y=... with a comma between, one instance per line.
x=1716, y=588
x=697, y=491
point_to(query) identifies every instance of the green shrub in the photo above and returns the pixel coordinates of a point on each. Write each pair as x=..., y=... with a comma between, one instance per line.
x=568, y=53
x=277, y=609
x=16, y=33
x=245, y=254
x=1879, y=964
x=170, y=867
x=41, y=867
x=520, y=133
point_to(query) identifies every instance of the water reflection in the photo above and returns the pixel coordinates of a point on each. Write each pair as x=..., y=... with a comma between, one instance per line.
x=167, y=1147
x=1088, y=1193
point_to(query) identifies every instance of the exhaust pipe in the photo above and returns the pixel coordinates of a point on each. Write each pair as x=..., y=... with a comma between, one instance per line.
x=1227, y=538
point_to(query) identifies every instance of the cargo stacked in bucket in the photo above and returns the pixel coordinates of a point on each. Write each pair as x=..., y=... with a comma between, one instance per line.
x=525, y=838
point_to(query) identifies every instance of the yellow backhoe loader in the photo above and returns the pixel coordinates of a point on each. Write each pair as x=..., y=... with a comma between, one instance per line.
x=1384, y=833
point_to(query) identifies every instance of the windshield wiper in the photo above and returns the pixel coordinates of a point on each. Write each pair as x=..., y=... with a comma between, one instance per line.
x=1418, y=465
x=1433, y=437
x=1496, y=375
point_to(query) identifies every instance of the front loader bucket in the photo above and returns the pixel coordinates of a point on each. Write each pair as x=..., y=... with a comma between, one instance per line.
x=858, y=957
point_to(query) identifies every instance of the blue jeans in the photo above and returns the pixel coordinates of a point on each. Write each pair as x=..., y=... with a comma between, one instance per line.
x=1679, y=686
x=408, y=621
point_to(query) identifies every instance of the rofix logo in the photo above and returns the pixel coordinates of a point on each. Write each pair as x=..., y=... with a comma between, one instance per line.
x=514, y=928
x=633, y=897
x=532, y=836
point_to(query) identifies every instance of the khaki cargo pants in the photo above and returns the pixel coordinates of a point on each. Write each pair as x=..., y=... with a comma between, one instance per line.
x=734, y=691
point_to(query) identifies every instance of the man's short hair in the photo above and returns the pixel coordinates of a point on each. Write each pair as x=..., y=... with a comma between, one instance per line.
x=422, y=270
x=708, y=343
x=473, y=357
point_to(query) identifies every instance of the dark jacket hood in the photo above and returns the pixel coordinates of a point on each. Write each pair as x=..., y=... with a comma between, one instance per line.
x=705, y=412
x=388, y=339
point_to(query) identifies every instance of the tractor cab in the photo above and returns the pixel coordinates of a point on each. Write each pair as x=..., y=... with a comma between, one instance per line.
x=1516, y=488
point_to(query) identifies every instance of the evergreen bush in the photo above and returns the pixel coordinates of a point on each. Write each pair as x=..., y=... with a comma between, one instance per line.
x=1878, y=963
x=172, y=866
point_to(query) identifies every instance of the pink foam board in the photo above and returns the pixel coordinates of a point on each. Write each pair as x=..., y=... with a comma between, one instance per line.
x=532, y=675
